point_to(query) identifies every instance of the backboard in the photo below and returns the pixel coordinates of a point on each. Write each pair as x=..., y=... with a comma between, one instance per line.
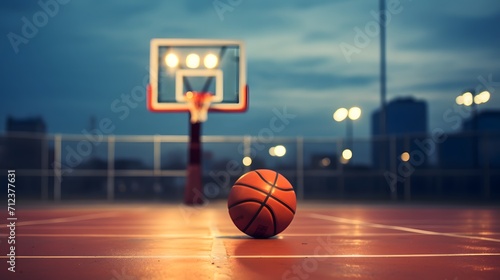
x=179, y=66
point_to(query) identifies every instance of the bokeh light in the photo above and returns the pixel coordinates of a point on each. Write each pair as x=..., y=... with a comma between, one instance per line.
x=483, y=97
x=340, y=114
x=171, y=60
x=247, y=161
x=468, y=98
x=193, y=60
x=405, y=156
x=354, y=113
x=280, y=150
x=347, y=154
x=211, y=61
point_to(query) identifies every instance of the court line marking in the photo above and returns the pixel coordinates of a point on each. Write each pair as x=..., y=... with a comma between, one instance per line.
x=400, y=228
x=371, y=234
x=218, y=254
x=117, y=227
x=218, y=249
x=104, y=235
x=65, y=220
x=367, y=256
x=183, y=236
x=264, y=256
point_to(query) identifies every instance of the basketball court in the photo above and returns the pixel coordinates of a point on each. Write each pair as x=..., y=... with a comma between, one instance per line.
x=324, y=241
x=200, y=239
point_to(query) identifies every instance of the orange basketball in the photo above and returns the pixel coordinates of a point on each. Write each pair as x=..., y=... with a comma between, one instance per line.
x=262, y=203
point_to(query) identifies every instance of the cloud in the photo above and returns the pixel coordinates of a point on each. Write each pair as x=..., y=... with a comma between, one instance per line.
x=19, y=6
x=473, y=9
x=301, y=74
x=92, y=52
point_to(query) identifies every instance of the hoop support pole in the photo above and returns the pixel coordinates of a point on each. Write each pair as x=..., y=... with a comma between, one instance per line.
x=193, y=193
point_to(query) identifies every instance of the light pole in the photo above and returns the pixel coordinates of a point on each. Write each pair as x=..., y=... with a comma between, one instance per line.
x=349, y=115
x=382, y=121
x=473, y=98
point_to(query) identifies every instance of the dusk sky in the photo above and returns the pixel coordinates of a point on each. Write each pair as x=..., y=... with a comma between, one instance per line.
x=84, y=55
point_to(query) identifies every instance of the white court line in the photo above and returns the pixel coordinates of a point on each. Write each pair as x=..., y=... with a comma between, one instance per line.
x=107, y=227
x=92, y=235
x=263, y=256
x=180, y=236
x=184, y=236
x=113, y=257
x=365, y=256
x=218, y=255
x=218, y=249
x=65, y=220
x=368, y=234
x=400, y=228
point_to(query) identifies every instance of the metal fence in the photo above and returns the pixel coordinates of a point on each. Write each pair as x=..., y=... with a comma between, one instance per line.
x=58, y=167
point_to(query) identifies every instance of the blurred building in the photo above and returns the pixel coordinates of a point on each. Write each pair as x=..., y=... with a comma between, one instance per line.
x=477, y=145
x=406, y=124
x=404, y=116
x=30, y=125
x=25, y=147
x=483, y=122
x=24, y=141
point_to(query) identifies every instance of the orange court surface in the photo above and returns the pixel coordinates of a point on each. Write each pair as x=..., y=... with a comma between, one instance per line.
x=324, y=241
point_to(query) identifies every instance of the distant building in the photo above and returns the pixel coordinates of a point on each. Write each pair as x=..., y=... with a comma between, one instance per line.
x=477, y=145
x=486, y=121
x=31, y=125
x=406, y=120
x=25, y=144
x=3, y=152
x=403, y=116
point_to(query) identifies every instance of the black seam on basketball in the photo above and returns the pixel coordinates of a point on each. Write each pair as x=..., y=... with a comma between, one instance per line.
x=285, y=190
x=250, y=186
x=273, y=216
x=263, y=179
x=263, y=202
x=284, y=204
x=243, y=201
x=272, y=196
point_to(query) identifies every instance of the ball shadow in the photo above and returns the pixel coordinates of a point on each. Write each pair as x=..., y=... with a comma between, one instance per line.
x=261, y=257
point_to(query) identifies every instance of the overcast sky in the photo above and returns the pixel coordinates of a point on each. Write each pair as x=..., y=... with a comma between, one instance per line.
x=306, y=56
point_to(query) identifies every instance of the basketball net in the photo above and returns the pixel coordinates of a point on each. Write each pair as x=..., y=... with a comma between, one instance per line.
x=198, y=104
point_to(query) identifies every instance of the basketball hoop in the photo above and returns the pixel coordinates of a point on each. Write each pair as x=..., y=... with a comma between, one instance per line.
x=198, y=104
x=214, y=79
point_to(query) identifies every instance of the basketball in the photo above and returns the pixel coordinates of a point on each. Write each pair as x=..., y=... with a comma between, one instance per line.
x=262, y=203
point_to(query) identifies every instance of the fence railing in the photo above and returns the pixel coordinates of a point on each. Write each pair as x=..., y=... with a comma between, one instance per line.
x=410, y=167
